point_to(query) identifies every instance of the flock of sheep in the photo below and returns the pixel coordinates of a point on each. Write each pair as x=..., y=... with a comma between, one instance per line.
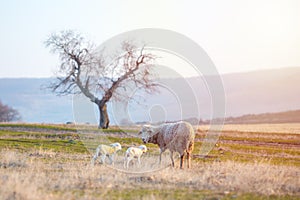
x=177, y=137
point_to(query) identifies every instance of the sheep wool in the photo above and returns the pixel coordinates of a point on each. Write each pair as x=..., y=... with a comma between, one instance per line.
x=106, y=151
x=177, y=137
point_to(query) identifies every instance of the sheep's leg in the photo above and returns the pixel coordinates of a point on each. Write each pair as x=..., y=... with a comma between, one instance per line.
x=125, y=161
x=160, y=157
x=103, y=156
x=128, y=161
x=139, y=160
x=161, y=151
x=111, y=159
x=188, y=159
x=93, y=160
x=95, y=157
x=181, y=161
x=172, y=158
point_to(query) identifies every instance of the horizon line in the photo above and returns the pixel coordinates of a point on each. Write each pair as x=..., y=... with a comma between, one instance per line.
x=225, y=73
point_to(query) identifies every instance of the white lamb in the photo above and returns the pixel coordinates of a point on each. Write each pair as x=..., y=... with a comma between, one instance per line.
x=106, y=151
x=134, y=152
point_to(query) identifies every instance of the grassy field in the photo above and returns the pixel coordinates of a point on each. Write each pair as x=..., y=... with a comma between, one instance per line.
x=44, y=161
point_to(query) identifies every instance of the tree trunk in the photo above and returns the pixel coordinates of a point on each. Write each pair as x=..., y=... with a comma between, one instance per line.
x=104, y=119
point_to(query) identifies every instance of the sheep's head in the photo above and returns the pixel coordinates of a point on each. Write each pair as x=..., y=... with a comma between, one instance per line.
x=117, y=146
x=143, y=148
x=147, y=132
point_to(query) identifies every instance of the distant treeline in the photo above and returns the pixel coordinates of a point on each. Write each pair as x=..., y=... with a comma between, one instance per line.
x=279, y=117
x=292, y=116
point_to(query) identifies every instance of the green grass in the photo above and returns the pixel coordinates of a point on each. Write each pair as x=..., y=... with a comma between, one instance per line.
x=224, y=132
x=269, y=150
x=60, y=141
x=7, y=133
x=161, y=194
x=42, y=126
x=71, y=143
x=126, y=142
x=179, y=194
x=272, y=138
x=68, y=146
x=248, y=153
x=259, y=139
x=66, y=128
x=117, y=130
x=74, y=142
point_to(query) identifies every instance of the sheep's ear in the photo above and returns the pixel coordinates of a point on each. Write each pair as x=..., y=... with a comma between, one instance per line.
x=114, y=144
x=152, y=131
x=145, y=148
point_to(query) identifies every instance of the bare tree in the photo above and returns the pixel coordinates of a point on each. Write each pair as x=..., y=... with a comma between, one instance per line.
x=85, y=69
x=8, y=114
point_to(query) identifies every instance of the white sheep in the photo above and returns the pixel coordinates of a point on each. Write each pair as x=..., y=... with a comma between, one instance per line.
x=134, y=152
x=106, y=151
x=177, y=137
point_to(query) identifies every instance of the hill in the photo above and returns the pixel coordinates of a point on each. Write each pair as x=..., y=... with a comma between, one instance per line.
x=268, y=118
x=34, y=103
x=264, y=91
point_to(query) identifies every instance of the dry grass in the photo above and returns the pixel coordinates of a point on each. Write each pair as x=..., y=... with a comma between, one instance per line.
x=45, y=175
x=248, y=162
x=290, y=128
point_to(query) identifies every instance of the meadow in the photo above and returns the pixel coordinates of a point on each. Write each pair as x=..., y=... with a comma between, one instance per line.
x=47, y=161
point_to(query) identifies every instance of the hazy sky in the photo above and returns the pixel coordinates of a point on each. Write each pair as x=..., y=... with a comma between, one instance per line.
x=237, y=35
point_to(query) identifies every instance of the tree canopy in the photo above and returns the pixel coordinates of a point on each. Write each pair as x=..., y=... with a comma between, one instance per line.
x=87, y=70
x=8, y=113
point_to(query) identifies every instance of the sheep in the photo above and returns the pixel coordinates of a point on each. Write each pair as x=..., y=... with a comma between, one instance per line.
x=134, y=152
x=177, y=137
x=106, y=150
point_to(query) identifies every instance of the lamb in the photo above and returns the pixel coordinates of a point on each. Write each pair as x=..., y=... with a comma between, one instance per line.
x=106, y=150
x=177, y=137
x=134, y=152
